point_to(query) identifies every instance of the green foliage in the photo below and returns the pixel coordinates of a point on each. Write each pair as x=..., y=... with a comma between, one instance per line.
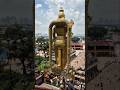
x=39, y=59
x=42, y=63
x=42, y=43
x=75, y=39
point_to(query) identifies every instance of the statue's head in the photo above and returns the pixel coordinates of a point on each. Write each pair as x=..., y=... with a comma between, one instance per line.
x=61, y=13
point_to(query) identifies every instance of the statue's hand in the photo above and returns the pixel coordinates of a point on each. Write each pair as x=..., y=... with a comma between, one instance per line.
x=71, y=23
x=53, y=43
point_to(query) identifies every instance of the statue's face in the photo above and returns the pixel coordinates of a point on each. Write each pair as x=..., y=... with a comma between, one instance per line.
x=61, y=14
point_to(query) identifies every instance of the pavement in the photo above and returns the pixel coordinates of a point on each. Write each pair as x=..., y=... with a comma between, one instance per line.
x=78, y=61
x=45, y=86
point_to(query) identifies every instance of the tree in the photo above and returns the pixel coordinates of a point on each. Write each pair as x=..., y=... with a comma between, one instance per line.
x=75, y=39
x=42, y=44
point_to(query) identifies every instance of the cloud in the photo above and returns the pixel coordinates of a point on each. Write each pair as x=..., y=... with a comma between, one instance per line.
x=38, y=5
x=74, y=9
x=38, y=22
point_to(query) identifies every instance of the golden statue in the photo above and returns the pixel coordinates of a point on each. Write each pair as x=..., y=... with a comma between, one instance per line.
x=59, y=39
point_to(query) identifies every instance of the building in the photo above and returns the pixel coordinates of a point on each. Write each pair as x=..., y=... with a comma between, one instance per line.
x=77, y=46
x=107, y=55
x=101, y=48
x=116, y=42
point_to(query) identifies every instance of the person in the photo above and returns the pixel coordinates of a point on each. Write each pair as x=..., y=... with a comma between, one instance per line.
x=70, y=85
x=62, y=87
x=64, y=81
x=51, y=81
x=77, y=62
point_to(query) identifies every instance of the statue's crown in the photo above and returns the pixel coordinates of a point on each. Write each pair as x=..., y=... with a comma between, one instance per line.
x=61, y=9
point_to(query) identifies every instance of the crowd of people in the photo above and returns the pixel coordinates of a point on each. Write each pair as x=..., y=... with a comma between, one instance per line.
x=61, y=81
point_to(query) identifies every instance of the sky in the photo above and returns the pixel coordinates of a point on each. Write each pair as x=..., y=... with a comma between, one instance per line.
x=47, y=10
